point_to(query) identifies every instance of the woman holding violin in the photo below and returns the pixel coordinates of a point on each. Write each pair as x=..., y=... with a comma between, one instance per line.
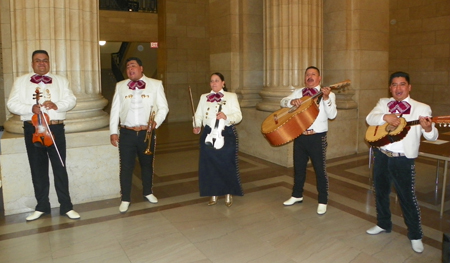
x=218, y=171
x=42, y=100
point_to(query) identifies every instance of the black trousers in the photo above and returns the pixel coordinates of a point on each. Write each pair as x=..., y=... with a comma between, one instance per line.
x=311, y=146
x=38, y=158
x=131, y=144
x=401, y=172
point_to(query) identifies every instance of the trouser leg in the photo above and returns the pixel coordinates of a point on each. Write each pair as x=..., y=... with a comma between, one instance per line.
x=382, y=184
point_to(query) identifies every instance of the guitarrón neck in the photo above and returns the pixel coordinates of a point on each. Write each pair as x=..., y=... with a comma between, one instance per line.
x=317, y=94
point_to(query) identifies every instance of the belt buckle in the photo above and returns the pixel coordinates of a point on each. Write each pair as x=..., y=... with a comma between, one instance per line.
x=308, y=132
x=54, y=122
x=390, y=153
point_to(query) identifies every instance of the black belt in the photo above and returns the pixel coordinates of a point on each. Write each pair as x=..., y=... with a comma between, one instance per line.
x=52, y=122
x=135, y=128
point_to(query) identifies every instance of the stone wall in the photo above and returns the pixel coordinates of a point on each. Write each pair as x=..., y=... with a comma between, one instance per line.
x=183, y=55
x=419, y=43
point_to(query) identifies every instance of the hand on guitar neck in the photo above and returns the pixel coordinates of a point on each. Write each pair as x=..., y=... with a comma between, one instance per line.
x=325, y=93
x=426, y=123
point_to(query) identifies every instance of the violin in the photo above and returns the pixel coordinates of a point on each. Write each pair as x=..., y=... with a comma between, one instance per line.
x=42, y=136
x=215, y=137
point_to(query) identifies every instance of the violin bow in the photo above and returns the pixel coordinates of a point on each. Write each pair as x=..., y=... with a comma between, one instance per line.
x=53, y=139
x=192, y=106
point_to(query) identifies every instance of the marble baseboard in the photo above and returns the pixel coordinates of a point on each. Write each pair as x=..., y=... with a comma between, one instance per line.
x=92, y=165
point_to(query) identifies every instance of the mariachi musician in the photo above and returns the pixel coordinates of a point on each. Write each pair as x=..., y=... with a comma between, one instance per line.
x=312, y=143
x=218, y=170
x=134, y=102
x=52, y=99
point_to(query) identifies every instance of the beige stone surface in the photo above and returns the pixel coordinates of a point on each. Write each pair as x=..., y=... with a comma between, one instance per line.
x=92, y=164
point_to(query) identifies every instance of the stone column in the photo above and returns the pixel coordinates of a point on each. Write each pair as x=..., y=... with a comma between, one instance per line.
x=293, y=41
x=249, y=70
x=68, y=30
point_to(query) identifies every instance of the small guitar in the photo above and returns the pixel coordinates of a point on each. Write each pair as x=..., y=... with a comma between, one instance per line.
x=381, y=135
x=286, y=124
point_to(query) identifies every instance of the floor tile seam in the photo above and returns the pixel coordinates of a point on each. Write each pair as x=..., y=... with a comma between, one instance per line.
x=241, y=171
x=435, y=207
x=396, y=227
x=397, y=221
x=82, y=222
x=194, y=178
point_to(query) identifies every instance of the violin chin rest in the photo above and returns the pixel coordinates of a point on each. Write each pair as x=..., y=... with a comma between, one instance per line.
x=38, y=144
x=218, y=144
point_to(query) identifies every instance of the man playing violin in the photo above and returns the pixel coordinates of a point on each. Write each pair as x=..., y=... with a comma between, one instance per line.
x=312, y=144
x=394, y=162
x=52, y=99
x=134, y=101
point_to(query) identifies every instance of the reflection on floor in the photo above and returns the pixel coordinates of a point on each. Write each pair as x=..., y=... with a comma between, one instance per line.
x=257, y=228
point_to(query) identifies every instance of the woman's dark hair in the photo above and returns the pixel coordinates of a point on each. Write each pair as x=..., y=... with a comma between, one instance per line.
x=221, y=78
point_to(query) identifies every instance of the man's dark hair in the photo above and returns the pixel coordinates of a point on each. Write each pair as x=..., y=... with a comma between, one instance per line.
x=399, y=74
x=312, y=67
x=39, y=51
x=134, y=58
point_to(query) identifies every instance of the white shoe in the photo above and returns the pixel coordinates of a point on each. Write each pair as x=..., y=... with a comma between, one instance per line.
x=124, y=206
x=376, y=230
x=321, y=209
x=417, y=245
x=73, y=215
x=34, y=215
x=151, y=198
x=293, y=200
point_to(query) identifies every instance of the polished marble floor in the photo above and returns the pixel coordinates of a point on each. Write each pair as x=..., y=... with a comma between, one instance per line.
x=257, y=228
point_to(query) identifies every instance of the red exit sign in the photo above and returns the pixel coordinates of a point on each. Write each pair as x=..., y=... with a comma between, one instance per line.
x=154, y=44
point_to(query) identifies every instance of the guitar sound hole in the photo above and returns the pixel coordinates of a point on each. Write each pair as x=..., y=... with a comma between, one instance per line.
x=390, y=128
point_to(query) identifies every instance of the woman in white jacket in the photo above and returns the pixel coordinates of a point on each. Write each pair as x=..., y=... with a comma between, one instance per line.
x=218, y=111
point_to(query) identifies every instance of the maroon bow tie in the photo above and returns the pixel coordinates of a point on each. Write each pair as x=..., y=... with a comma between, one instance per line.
x=309, y=92
x=214, y=97
x=140, y=84
x=402, y=107
x=38, y=78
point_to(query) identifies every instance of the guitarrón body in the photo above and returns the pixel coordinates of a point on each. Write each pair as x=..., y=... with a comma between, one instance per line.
x=286, y=124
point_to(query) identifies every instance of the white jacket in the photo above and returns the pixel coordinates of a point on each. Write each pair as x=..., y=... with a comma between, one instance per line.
x=411, y=142
x=153, y=95
x=21, y=99
x=206, y=111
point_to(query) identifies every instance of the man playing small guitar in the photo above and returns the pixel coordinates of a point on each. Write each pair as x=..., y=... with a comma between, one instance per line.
x=312, y=143
x=395, y=162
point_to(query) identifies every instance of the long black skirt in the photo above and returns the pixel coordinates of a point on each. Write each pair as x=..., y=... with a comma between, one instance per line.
x=218, y=172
